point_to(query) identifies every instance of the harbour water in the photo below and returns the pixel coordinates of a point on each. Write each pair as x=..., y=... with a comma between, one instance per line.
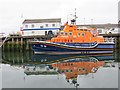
x=26, y=70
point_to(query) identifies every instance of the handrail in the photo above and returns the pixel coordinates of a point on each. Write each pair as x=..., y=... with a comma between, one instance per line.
x=4, y=40
x=109, y=40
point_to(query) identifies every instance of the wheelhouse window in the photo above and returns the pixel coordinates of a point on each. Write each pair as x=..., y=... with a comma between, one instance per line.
x=70, y=33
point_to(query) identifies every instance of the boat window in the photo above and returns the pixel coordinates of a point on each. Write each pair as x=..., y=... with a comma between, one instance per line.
x=79, y=69
x=62, y=33
x=62, y=71
x=66, y=70
x=71, y=71
x=78, y=34
x=65, y=64
x=82, y=34
x=68, y=64
x=66, y=33
x=83, y=69
x=70, y=33
x=71, y=64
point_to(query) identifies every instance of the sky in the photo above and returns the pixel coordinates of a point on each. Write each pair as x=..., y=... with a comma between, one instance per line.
x=13, y=12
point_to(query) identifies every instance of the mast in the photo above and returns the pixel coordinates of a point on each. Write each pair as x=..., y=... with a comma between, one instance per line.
x=73, y=21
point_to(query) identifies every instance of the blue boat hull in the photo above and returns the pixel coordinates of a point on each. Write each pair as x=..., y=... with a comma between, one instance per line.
x=68, y=48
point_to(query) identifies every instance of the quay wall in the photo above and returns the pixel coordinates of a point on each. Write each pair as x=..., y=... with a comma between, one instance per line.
x=20, y=43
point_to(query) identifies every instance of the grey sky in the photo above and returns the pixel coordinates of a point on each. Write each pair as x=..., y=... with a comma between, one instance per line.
x=101, y=11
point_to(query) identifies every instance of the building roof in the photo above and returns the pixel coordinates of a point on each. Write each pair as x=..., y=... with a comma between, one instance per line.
x=53, y=20
x=100, y=25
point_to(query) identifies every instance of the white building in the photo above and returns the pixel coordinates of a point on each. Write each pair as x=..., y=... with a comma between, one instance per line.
x=40, y=69
x=41, y=26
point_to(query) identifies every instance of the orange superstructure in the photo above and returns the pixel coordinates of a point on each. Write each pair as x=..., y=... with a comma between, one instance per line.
x=70, y=34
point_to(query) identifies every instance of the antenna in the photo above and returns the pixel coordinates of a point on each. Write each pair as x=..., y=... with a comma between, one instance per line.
x=75, y=16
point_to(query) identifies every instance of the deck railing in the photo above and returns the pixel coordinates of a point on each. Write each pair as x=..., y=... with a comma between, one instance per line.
x=109, y=40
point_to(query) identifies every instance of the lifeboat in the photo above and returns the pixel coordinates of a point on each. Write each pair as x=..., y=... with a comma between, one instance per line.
x=72, y=40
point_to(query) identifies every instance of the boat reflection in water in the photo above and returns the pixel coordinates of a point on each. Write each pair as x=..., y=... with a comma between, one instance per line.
x=71, y=67
x=47, y=59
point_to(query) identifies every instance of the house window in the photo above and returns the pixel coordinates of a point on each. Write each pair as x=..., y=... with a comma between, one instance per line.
x=41, y=26
x=26, y=26
x=53, y=25
x=33, y=32
x=32, y=26
x=46, y=25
